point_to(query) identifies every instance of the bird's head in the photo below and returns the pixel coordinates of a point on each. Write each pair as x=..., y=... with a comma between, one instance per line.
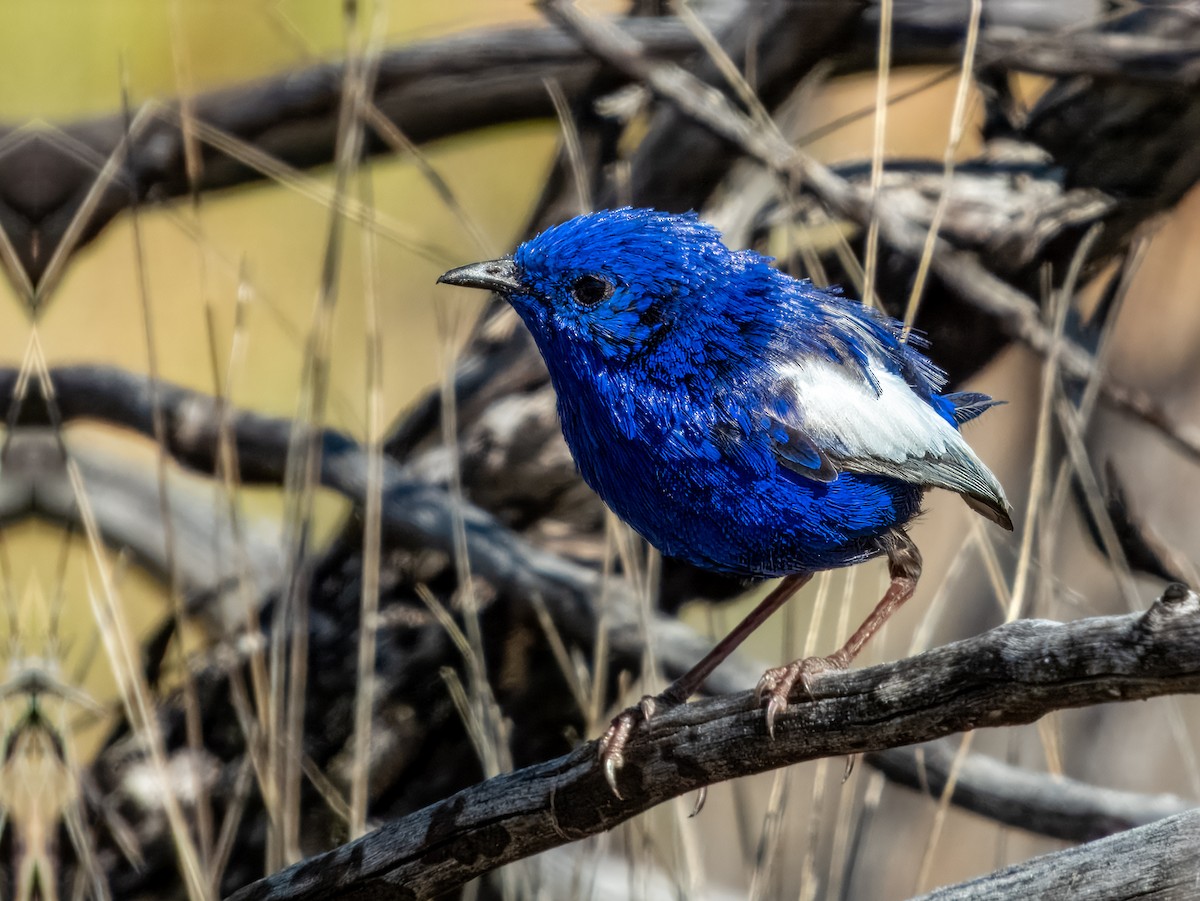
x=624, y=284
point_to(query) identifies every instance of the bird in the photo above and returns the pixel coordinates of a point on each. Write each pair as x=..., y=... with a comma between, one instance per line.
x=738, y=418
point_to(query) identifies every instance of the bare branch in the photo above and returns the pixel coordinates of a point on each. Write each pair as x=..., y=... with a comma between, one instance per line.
x=468, y=81
x=1013, y=674
x=1157, y=861
x=430, y=90
x=1133, y=58
x=220, y=568
x=1038, y=802
x=415, y=513
x=1144, y=549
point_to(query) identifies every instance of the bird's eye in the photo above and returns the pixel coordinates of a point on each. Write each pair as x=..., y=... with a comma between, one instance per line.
x=590, y=290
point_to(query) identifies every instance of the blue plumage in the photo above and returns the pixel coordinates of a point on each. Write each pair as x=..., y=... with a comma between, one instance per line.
x=736, y=417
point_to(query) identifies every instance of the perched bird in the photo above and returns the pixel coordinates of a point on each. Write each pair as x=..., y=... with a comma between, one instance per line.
x=736, y=417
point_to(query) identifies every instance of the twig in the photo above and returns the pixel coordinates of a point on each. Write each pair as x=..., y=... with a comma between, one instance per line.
x=1015, y=673
x=1151, y=59
x=1143, y=548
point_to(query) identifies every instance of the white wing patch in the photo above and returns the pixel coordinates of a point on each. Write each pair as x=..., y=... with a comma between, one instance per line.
x=842, y=413
x=893, y=433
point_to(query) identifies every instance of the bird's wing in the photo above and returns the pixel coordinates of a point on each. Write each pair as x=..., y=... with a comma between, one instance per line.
x=827, y=417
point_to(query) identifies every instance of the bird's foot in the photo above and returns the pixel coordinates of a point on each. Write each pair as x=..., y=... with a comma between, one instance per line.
x=777, y=684
x=612, y=742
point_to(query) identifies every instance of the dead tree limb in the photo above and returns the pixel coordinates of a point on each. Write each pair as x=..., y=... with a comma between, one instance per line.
x=468, y=81
x=1049, y=805
x=416, y=514
x=1013, y=674
x=1157, y=862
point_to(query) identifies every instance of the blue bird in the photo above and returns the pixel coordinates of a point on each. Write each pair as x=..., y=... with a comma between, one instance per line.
x=738, y=418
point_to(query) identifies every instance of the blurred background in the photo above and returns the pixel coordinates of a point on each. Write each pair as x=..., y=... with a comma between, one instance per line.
x=222, y=292
x=267, y=239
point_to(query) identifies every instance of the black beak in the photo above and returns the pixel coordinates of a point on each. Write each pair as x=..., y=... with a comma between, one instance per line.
x=492, y=275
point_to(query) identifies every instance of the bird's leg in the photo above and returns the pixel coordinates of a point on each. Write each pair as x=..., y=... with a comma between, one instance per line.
x=612, y=743
x=904, y=566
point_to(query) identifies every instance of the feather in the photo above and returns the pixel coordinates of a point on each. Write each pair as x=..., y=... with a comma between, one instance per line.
x=794, y=450
x=970, y=404
x=890, y=432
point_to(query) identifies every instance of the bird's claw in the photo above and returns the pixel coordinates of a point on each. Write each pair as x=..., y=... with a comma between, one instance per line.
x=612, y=743
x=611, y=765
x=648, y=705
x=776, y=684
x=775, y=706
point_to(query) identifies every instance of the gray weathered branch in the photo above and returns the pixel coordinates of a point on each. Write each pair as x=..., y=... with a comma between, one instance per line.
x=219, y=564
x=415, y=513
x=1013, y=674
x=1037, y=802
x=1157, y=862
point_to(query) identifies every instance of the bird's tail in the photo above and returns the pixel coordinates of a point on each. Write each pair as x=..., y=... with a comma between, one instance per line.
x=969, y=404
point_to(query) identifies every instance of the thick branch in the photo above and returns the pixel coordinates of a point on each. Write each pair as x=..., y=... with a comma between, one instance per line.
x=1158, y=861
x=1013, y=674
x=429, y=90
